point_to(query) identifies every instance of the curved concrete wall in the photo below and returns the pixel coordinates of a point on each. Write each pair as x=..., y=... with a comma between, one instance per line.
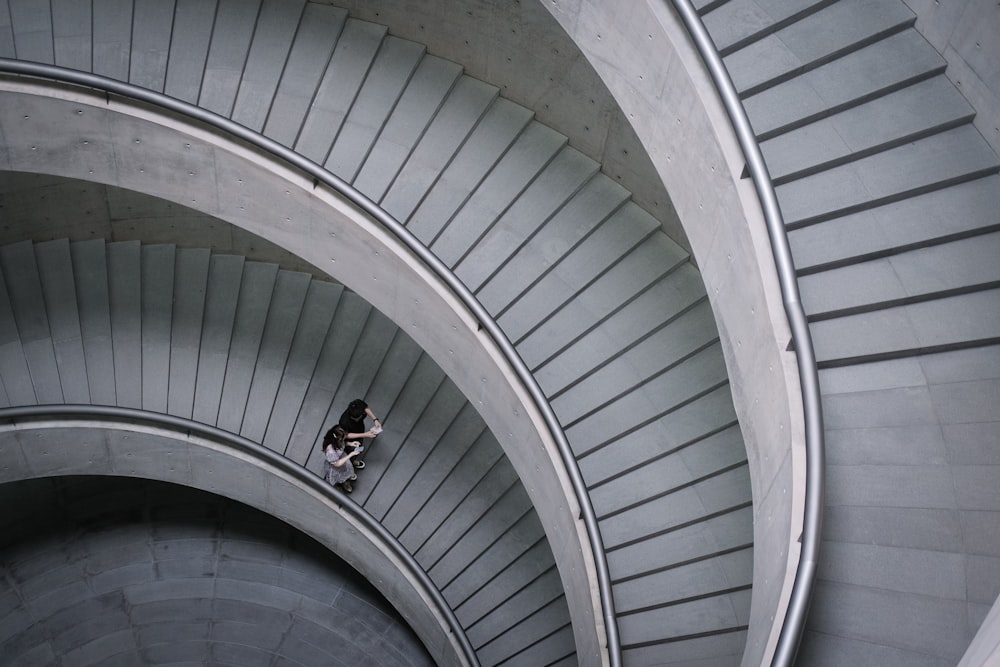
x=675, y=111
x=133, y=147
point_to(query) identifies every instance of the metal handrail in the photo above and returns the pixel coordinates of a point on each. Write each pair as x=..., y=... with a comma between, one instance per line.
x=794, y=622
x=412, y=243
x=272, y=458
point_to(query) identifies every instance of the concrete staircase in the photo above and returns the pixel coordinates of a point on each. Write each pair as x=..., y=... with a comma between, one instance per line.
x=889, y=194
x=275, y=356
x=608, y=312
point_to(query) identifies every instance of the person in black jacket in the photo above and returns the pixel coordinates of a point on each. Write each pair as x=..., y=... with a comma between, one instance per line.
x=353, y=423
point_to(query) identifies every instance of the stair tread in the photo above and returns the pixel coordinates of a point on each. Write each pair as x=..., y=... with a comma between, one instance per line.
x=949, y=267
x=500, y=189
x=813, y=39
x=283, y=318
x=840, y=83
x=890, y=119
x=390, y=72
x=156, y=270
x=192, y=265
x=358, y=44
x=908, y=329
x=941, y=158
x=264, y=67
x=501, y=125
x=432, y=81
x=459, y=116
x=192, y=35
x=738, y=20
x=126, y=323
x=318, y=311
x=55, y=272
x=227, y=54
x=318, y=33
x=90, y=272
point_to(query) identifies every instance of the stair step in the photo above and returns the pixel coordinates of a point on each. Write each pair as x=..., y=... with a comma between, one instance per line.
x=157, y=296
x=224, y=279
x=321, y=302
x=192, y=35
x=814, y=40
x=90, y=273
x=701, y=415
x=190, y=291
x=486, y=612
x=891, y=63
x=55, y=273
x=32, y=31
x=701, y=372
x=318, y=33
x=353, y=54
x=227, y=54
x=685, y=324
x=481, y=464
x=316, y=414
x=953, y=212
x=28, y=306
x=432, y=471
x=912, y=113
x=946, y=323
x=499, y=190
x=283, y=318
x=557, y=183
x=732, y=529
x=596, y=301
x=948, y=268
x=17, y=386
x=438, y=412
x=740, y=22
x=540, y=640
x=432, y=81
x=389, y=74
x=502, y=124
x=274, y=32
x=931, y=163
x=566, y=230
x=460, y=114
x=252, y=308
x=678, y=507
x=151, y=27
x=669, y=469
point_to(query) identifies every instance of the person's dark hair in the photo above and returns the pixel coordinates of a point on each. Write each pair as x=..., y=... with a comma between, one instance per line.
x=356, y=408
x=335, y=436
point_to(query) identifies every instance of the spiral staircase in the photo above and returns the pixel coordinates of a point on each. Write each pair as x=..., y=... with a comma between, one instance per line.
x=889, y=195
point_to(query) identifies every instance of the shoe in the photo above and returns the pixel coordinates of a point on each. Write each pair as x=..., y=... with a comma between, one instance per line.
x=352, y=478
x=358, y=465
x=347, y=487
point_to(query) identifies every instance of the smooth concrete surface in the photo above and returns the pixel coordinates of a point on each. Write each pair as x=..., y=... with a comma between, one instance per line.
x=127, y=571
x=41, y=449
x=146, y=152
x=695, y=154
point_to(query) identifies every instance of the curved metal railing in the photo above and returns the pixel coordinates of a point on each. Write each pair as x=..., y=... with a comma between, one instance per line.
x=412, y=243
x=798, y=606
x=272, y=458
